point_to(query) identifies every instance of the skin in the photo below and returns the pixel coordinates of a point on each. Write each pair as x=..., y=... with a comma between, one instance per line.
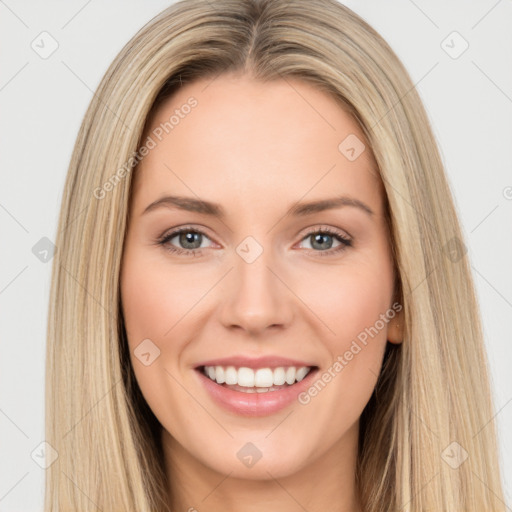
x=257, y=149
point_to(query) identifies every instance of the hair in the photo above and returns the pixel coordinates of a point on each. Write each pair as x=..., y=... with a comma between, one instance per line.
x=434, y=388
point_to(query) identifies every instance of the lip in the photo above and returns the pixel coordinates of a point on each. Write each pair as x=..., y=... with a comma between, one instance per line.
x=255, y=362
x=255, y=404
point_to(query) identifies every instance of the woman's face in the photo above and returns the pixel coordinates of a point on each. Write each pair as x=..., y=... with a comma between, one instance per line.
x=260, y=284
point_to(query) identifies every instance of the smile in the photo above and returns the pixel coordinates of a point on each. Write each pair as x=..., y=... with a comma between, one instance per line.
x=259, y=380
x=253, y=392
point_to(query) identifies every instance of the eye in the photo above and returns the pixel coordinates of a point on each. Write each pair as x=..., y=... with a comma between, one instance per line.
x=322, y=239
x=191, y=240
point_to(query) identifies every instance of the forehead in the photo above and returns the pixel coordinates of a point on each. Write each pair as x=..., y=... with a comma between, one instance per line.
x=247, y=138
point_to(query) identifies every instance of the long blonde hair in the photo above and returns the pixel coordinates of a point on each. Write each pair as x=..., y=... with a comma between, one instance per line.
x=432, y=405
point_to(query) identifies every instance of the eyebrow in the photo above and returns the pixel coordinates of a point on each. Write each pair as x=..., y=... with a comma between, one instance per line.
x=191, y=204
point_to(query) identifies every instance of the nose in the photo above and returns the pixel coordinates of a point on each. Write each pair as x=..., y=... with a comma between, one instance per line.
x=257, y=297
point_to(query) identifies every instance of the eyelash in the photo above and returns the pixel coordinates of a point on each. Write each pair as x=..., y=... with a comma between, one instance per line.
x=163, y=241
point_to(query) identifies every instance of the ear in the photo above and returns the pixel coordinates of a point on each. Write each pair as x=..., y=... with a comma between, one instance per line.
x=396, y=328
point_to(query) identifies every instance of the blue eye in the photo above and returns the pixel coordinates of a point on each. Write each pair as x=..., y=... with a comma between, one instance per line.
x=192, y=238
x=322, y=236
x=186, y=236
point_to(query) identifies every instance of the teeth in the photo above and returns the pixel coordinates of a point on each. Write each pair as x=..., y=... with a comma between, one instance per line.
x=301, y=373
x=246, y=377
x=231, y=375
x=220, y=375
x=279, y=376
x=290, y=375
x=262, y=378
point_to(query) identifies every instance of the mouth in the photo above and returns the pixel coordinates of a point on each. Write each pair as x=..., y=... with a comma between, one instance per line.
x=255, y=391
x=256, y=380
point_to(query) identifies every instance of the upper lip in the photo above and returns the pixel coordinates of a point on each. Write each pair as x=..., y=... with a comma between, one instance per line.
x=255, y=362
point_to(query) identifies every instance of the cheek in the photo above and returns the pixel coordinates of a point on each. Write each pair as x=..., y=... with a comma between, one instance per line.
x=155, y=304
x=354, y=304
x=348, y=299
x=157, y=297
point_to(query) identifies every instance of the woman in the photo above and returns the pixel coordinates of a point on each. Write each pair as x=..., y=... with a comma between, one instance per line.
x=200, y=356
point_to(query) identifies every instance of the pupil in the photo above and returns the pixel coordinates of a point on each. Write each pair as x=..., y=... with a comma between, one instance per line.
x=319, y=238
x=188, y=238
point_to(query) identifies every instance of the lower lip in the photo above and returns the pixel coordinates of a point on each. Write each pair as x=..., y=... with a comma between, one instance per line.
x=255, y=404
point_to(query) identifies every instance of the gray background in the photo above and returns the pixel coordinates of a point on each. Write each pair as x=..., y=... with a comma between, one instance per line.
x=43, y=100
